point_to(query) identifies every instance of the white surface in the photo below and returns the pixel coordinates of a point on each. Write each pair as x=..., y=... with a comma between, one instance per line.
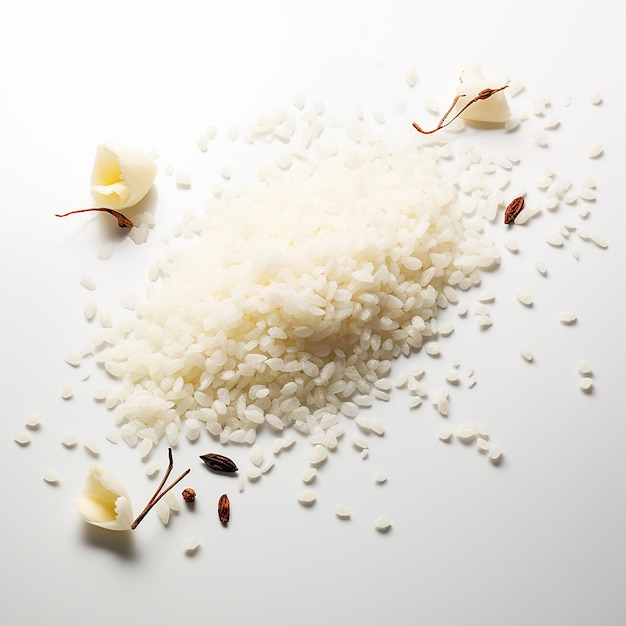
x=537, y=540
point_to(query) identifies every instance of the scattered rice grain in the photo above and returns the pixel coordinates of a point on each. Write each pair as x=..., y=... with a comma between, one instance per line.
x=568, y=317
x=307, y=497
x=22, y=437
x=595, y=151
x=382, y=524
x=51, y=476
x=191, y=545
x=342, y=511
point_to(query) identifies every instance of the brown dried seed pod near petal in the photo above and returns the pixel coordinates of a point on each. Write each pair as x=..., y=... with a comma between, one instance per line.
x=513, y=210
x=189, y=495
x=219, y=463
x=223, y=509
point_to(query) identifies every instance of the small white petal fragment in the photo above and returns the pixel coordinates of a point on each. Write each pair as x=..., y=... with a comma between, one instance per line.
x=121, y=176
x=541, y=267
x=527, y=353
x=307, y=497
x=584, y=367
x=104, y=501
x=342, y=511
x=192, y=544
x=67, y=392
x=382, y=524
x=494, y=109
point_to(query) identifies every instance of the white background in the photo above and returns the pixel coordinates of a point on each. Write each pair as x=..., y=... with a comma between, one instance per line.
x=539, y=539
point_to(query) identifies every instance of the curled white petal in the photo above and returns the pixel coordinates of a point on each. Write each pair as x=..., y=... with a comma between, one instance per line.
x=121, y=176
x=494, y=109
x=104, y=501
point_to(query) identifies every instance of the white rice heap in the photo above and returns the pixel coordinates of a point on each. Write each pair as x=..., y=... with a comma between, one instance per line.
x=296, y=295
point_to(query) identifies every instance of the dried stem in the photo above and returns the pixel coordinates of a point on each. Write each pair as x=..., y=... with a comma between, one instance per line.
x=482, y=95
x=122, y=220
x=158, y=494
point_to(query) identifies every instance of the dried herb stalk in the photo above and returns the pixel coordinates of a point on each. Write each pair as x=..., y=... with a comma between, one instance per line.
x=443, y=122
x=122, y=220
x=158, y=494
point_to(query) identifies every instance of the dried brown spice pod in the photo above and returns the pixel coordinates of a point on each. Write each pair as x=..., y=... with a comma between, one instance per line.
x=219, y=463
x=122, y=220
x=189, y=495
x=513, y=210
x=223, y=509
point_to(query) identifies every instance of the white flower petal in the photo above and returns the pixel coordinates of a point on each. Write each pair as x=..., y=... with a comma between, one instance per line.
x=494, y=109
x=121, y=176
x=105, y=501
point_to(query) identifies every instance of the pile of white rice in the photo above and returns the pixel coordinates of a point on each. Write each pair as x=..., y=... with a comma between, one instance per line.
x=294, y=296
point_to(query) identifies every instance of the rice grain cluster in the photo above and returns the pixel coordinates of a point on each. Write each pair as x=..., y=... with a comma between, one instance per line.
x=292, y=297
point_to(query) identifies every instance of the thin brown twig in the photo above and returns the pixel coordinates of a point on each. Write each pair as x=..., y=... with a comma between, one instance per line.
x=456, y=99
x=122, y=220
x=158, y=494
x=482, y=95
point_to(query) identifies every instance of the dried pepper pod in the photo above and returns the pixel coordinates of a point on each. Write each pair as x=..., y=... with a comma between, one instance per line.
x=189, y=495
x=219, y=463
x=513, y=210
x=223, y=509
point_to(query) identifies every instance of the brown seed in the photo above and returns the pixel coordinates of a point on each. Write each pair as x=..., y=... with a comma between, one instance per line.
x=219, y=463
x=189, y=495
x=223, y=509
x=513, y=210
